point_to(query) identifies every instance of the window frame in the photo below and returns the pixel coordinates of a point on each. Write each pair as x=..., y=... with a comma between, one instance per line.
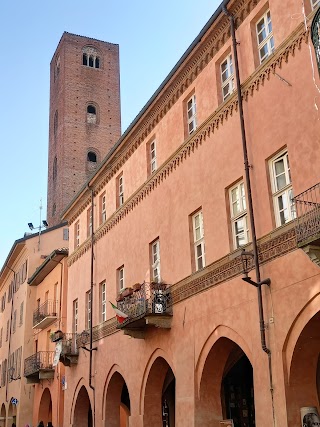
x=155, y=265
x=229, y=81
x=103, y=301
x=268, y=40
x=89, y=222
x=120, y=190
x=77, y=234
x=198, y=242
x=103, y=209
x=88, y=309
x=240, y=215
x=191, y=114
x=75, y=315
x=285, y=191
x=153, y=156
x=121, y=278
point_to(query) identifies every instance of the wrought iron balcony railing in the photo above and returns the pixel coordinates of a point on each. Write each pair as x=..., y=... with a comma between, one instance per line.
x=69, y=349
x=70, y=345
x=42, y=360
x=45, y=314
x=308, y=215
x=144, y=300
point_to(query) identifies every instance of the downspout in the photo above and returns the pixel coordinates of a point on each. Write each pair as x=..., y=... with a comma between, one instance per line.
x=91, y=311
x=250, y=203
x=10, y=332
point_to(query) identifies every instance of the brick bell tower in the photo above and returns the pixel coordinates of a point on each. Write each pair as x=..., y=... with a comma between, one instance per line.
x=84, y=115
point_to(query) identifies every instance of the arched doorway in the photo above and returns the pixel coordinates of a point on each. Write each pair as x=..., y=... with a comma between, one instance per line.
x=226, y=387
x=83, y=411
x=303, y=389
x=45, y=407
x=12, y=414
x=3, y=416
x=159, y=399
x=117, y=402
x=237, y=397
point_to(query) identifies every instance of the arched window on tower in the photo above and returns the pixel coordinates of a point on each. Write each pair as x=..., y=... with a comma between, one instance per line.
x=92, y=161
x=57, y=69
x=92, y=157
x=91, y=114
x=90, y=57
x=54, y=169
x=55, y=125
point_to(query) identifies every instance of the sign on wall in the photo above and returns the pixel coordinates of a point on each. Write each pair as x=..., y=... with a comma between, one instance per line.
x=309, y=416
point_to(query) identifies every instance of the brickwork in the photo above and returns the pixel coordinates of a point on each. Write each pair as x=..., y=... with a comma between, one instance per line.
x=73, y=87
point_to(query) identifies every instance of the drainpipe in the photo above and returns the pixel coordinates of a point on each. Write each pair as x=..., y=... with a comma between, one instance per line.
x=250, y=203
x=10, y=333
x=91, y=311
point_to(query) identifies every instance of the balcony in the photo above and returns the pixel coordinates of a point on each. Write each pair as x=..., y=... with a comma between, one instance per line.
x=39, y=366
x=69, y=349
x=45, y=314
x=146, y=305
x=308, y=222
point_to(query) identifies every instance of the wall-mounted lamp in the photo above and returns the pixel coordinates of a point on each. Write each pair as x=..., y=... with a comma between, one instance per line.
x=247, y=259
x=11, y=371
x=84, y=337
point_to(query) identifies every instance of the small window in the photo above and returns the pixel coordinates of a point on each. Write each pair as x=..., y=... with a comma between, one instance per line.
x=153, y=156
x=227, y=77
x=239, y=217
x=120, y=278
x=55, y=169
x=282, y=189
x=191, y=114
x=92, y=157
x=103, y=211
x=55, y=125
x=54, y=209
x=89, y=222
x=103, y=302
x=198, y=240
x=21, y=313
x=155, y=261
x=7, y=332
x=77, y=235
x=88, y=309
x=265, y=36
x=91, y=114
x=1, y=335
x=315, y=4
x=120, y=190
x=57, y=69
x=75, y=316
x=14, y=322
x=90, y=57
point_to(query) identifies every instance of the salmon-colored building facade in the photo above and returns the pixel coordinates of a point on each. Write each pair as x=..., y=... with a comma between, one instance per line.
x=200, y=226
x=171, y=214
x=18, y=339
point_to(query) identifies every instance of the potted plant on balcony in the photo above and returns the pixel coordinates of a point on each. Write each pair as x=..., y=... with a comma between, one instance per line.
x=119, y=297
x=127, y=292
x=137, y=287
x=56, y=336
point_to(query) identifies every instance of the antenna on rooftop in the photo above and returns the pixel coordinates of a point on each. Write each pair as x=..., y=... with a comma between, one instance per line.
x=42, y=225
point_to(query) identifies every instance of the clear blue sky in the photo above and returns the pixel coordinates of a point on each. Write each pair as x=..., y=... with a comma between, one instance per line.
x=152, y=38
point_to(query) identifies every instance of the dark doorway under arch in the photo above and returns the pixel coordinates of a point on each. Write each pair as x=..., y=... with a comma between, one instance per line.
x=237, y=391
